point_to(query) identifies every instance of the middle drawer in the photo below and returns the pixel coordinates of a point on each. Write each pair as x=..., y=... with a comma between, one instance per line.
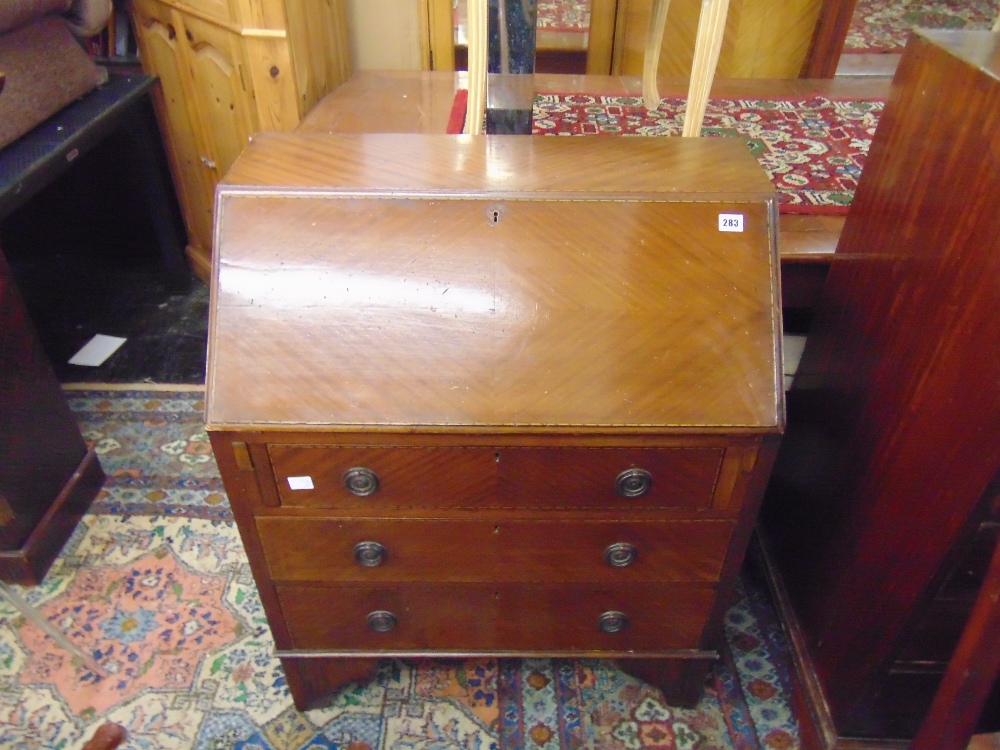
x=353, y=549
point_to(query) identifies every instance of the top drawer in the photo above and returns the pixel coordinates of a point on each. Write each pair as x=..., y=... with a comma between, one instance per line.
x=367, y=478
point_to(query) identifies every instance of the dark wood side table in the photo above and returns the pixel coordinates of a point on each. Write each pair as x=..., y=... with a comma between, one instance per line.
x=36, y=159
x=48, y=477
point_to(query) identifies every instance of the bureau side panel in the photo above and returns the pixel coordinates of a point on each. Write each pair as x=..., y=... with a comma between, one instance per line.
x=240, y=480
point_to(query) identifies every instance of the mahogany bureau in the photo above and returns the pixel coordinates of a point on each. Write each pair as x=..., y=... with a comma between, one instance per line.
x=495, y=396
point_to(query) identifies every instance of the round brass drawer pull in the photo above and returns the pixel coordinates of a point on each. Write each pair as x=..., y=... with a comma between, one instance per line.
x=370, y=554
x=620, y=554
x=633, y=483
x=613, y=622
x=381, y=621
x=361, y=481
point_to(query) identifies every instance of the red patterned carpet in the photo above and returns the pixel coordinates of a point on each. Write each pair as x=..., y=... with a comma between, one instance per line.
x=564, y=15
x=885, y=25
x=812, y=148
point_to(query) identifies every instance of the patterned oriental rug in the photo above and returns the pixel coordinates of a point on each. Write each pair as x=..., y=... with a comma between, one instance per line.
x=564, y=15
x=812, y=148
x=885, y=25
x=155, y=587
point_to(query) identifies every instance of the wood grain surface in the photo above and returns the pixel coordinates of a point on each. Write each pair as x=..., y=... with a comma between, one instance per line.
x=490, y=617
x=494, y=282
x=498, y=328
x=483, y=550
x=893, y=443
x=421, y=477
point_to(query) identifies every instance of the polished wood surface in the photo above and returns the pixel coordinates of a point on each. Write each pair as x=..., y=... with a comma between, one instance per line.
x=501, y=329
x=402, y=102
x=489, y=548
x=894, y=408
x=496, y=617
x=411, y=477
x=493, y=337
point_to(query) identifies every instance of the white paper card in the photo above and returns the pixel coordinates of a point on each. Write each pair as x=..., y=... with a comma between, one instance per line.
x=791, y=347
x=96, y=351
x=730, y=222
x=300, y=483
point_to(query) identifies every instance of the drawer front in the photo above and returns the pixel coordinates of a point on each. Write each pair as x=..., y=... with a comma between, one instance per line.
x=367, y=479
x=446, y=617
x=609, y=477
x=406, y=477
x=310, y=549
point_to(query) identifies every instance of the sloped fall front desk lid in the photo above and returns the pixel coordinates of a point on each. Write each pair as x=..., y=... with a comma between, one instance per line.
x=414, y=282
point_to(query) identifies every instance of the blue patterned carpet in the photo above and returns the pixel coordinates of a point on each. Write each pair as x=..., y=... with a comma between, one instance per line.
x=155, y=587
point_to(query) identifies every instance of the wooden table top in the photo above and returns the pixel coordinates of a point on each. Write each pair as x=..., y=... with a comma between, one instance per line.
x=421, y=102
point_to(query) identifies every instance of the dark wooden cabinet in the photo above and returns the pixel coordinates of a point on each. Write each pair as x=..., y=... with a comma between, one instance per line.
x=882, y=512
x=48, y=477
x=495, y=396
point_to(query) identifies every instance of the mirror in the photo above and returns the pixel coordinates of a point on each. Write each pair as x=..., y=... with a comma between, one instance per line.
x=879, y=29
x=562, y=35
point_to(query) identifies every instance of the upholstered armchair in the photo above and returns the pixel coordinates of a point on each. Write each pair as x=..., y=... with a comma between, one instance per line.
x=44, y=64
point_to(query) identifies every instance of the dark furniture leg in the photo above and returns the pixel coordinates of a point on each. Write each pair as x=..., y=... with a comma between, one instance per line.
x=48, y=477
x=682, y=682
x=312, y=681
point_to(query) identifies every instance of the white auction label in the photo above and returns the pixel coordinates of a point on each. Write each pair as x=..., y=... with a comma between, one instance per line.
x=730, y=222
x=300, y=483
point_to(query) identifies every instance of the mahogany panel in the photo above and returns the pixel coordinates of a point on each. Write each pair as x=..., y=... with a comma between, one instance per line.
x=322, y=549
x=408, y=477
x=48, y=477
x=494, y=618
x=498, y=327
x=567, y=477
x=570, y=477
x=454, y=338
x=498, y=165
x=311, y=681
x=892, y=412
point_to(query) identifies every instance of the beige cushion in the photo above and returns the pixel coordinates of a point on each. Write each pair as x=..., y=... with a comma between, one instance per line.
x=17, y=13
x=46, y=70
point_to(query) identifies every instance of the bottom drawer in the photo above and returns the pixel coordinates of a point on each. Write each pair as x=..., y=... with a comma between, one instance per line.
x=460, y=618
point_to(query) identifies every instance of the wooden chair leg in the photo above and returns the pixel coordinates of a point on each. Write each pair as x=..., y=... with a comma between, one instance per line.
x=971, y=673
x=708, y=45
x=651, y=60
x=478, y=55
x=107, y=737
